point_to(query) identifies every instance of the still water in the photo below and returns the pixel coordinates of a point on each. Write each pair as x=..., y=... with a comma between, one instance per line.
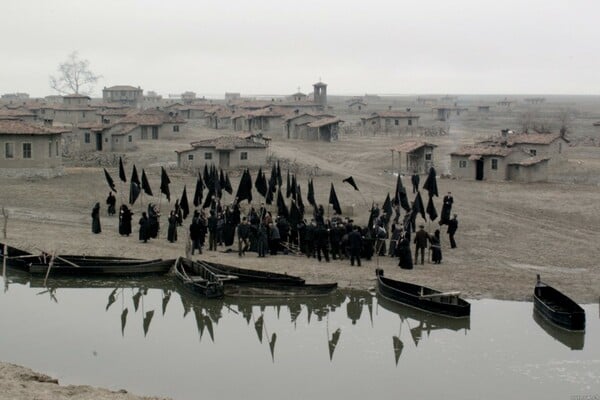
x=150, y=337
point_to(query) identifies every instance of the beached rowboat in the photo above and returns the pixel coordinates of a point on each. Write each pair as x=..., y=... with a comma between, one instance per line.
x=557, y=307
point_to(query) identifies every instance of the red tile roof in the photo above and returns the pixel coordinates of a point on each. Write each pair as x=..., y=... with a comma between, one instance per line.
x=530, y=161
x=480, y=150
x=324, y=121
x=226, y=143
x=151, y=117
x=392, y=114
x=410, y=146
x=10, y=127
x=533, y=138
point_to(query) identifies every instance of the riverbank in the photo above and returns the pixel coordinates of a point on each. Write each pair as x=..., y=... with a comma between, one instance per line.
x=20, y=383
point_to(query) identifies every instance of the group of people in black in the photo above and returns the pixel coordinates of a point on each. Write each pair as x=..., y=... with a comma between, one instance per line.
x=319, y=237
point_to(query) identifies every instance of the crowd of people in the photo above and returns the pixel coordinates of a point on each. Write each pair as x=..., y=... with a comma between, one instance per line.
x=258, y=231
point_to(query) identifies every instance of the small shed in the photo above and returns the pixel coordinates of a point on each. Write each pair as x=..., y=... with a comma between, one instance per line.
x=533, y=169
x=225, y=152
x=325, y=129
x=418, y=156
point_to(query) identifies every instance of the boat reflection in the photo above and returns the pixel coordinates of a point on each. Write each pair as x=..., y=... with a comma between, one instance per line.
x=425, y=323
x=571, y=339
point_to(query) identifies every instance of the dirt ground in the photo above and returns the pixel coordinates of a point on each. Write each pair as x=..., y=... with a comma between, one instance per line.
x=507, y=234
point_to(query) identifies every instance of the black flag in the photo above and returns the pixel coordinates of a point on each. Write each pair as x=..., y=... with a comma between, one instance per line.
x=431, y=211
x=310, y=196
x=164, y=183
x=295, y=216
x=400, y=196
x=281, y=207
x=134, y=192
x=279, y=179
x=299, y=200
x=261, y=183
x=134, y=176
x=183, y=203
x=147, y=320
x=124, y=320
x=333, y=200
x=207, y=180
x=431, y=183
x=244, y=191
x=145, y=184
x=335, y=338
x=418, y=206
x=288, y=187
x=228, y=188
x=198, y=191
x=110, y=181
x=387, y=206
x=350, y=180
x=122, y=171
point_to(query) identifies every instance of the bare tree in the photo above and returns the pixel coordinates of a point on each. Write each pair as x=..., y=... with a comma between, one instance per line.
x=74, y=76
x=565, y=120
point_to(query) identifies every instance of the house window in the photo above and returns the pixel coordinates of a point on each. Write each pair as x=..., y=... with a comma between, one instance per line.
x=175, y=128
x=533, y=152
x=462, y=164
x=26, y=150
x=129, y=139
x=373, y=122
x=244, y=155
x=144, y=132
x=427, y=156
x=208, y=156
x=57, y=153
x=9, y=150
x=494, y=163
x=86, y=137
x=83, y=114
x=50, y=149
x=396, y=122
x=116, y=140
x=410, y=122
x=155, y=132
x=190, y=157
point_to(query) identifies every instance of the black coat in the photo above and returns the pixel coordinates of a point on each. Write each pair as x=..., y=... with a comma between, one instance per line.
x=452, y=226
x=355, y=241
x=96, y=219
x=125, y=217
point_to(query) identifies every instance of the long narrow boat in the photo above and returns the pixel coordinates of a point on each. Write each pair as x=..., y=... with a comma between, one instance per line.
x=574, y=340
x=196, y=278
x=16, y=258
x=277, y=290
x=448, y=304
x=557, y=307
x=64, y=267
x=244, y=276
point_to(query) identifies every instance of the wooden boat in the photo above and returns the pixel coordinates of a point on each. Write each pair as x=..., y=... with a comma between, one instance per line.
x=244, y=276
x=558, y=308
x=16, y=258
x=448, y=304
x=63, y=267
x=279, y=290
x=196, y=278
x=575, y=340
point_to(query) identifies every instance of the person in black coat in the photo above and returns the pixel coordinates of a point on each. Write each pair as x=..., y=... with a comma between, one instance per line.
x=415, y=179
x=125, y=217
x=452, y=227
x=96, y=219
x=321, y=242
x=404, y=253
x=446, y=209
x=195, y=233
x=144, y=225
x=111, y=202
x=172, y=230
x=436, y=247
x=212, y=231
x=355, y=244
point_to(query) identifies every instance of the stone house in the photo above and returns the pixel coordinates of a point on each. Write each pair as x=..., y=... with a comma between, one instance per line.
x=22, y=114
x=151, y=124
x=76, y=100
x=413, y=156
x=219, y=118
x=390, y=122
x=325, y=129
x=294, y=124
x=264, y=120
x=443, y=113
x=124, y=94
x=357, y=106
x=30, y=150
x=224, y=152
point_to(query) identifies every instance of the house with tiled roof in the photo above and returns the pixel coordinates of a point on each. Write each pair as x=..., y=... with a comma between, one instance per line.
x=262, y=120
x=124, y=94
x=357, y=106
x=225, y=152
x=390, y=121
x=218, y=117
x=414, y=156
x=521, y=157
x=294, y=123
x=30, y=149
x=21, y=113
x=149, y=124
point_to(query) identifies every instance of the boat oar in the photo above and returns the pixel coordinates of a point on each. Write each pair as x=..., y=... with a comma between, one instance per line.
x=50, y=266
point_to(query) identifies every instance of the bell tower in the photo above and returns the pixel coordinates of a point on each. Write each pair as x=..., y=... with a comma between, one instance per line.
x=320, y=94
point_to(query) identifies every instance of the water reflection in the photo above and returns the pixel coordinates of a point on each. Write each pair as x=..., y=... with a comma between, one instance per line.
x=573, y=340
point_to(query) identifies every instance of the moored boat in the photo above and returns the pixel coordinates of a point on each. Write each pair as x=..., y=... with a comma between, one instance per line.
x=78, y=267
x=250, y=276
x=558, y=308
x=442, y=303
x=16, y=258
x=196, y=278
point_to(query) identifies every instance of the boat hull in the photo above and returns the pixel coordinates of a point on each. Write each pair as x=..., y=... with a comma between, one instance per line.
x=152, y=267
x=557, y=308
x=196, y=279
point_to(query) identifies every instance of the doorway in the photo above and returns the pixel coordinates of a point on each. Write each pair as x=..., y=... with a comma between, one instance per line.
x=224, y=159
x=98, y=142
x=479, y=170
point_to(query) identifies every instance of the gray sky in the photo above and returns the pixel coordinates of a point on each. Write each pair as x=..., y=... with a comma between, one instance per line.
x=274, y=47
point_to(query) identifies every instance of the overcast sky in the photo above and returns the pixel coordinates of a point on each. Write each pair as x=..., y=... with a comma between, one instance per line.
x=274, y=47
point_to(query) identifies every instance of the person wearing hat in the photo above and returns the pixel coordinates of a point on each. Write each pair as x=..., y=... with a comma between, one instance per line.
x=421, y=240
x=452, y=227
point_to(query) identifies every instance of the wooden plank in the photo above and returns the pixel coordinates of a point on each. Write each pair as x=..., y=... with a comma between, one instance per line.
x=443, y=294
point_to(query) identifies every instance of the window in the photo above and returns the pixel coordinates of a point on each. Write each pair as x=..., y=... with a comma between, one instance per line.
x=86, y=137
x=396, y=122
x=26, y=150
x=105, y=140
x=129, y=139
x=190, y=157
x=175, y=128
x=83, y=114
x=244, y=155
x=410, y=122
x=373, y=122
x=462, y=164
x=57, y=152
x=427, y=156
x=9, y=150
x=533, y=152
x=116, y=140
x=155, y=132
x=494, y=163
x=208, y=156
x=144, y=132
x=50, y=149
